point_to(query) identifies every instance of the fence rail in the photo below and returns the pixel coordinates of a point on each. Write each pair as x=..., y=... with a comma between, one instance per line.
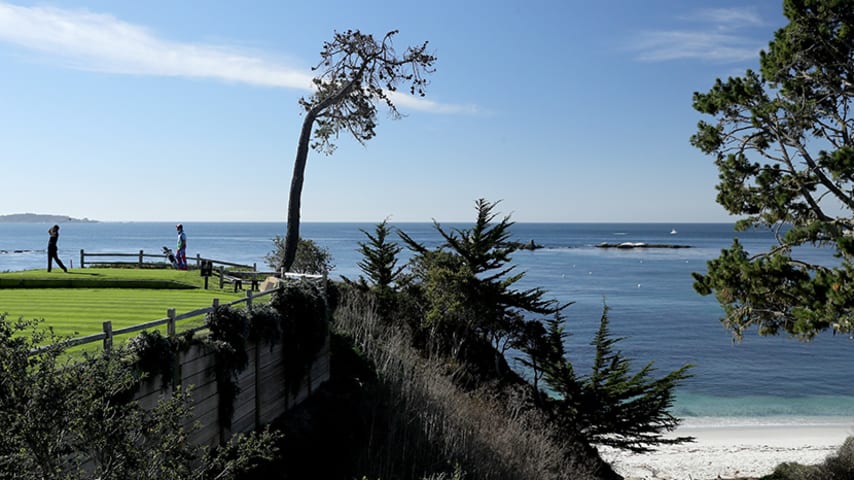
x=106, y=336
x=139, y=259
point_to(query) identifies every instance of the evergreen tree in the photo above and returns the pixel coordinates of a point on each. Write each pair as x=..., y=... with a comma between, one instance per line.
x=379, y=258
x=379, y=265
x=468, y=283
x=612, y=406
x=466, y=288
x=542, y=343
x=782, y=142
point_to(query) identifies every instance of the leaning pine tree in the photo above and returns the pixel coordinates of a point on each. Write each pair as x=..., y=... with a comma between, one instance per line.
x=357, y=72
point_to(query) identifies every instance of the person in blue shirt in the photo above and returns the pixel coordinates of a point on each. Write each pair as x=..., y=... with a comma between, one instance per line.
x=181, y=254
x=53, y=250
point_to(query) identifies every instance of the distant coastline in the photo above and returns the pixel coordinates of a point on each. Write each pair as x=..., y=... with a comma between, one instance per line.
x=42, y=218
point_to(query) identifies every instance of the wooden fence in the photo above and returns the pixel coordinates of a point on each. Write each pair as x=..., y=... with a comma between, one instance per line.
x=263, y=384
x=171, y=321
x=139, y=259
x=246, y=274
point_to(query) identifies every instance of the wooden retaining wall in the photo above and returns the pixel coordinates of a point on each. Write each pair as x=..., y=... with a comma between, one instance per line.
x=263, y=392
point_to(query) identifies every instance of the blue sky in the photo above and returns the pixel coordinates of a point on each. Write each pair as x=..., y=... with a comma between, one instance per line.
x=188, y=111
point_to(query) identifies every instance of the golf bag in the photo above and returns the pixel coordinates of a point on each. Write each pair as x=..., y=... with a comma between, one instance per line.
x=170, y=256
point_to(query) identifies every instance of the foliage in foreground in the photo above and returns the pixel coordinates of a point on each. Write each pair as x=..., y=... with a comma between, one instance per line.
x=417, y=421
x=69, y=421
x=782, y=142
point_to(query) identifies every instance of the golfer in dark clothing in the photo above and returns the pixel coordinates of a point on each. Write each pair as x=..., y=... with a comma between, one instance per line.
x=52, y=249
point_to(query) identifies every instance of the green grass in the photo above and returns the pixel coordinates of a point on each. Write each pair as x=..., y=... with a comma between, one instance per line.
x=105, y=277
x=77, y=303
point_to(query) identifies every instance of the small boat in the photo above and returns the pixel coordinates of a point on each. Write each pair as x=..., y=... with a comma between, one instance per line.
x=673, y=232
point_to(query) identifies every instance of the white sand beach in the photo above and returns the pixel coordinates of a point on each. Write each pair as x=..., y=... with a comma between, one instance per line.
x=730, y=448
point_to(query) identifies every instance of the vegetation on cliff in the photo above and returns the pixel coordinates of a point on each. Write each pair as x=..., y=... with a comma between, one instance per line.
x=421, y=383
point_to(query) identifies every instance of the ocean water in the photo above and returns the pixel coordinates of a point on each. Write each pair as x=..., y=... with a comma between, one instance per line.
x=649, y=294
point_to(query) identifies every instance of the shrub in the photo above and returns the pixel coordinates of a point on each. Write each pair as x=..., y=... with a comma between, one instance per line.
x=77, y=420
x=310, y=257
x=841, y=465
x=154, y=353
x=836, y=467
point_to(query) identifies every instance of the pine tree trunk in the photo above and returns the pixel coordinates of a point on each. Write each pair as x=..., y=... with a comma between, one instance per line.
x=292, y=231
x=297, y=180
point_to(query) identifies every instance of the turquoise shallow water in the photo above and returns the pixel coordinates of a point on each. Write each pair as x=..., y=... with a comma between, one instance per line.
x=649, y=293
x=763, y=408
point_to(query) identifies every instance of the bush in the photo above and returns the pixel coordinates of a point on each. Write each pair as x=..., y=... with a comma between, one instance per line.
x=155, y=354
x=77, y=420
x=836, y=467
x=793, y=471
x=841, y=465
x=310, y=257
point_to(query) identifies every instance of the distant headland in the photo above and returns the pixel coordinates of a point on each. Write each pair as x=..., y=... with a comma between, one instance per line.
x=42, y=218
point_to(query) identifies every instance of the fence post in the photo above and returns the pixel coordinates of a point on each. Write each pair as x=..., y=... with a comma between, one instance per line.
x=108, y=339
x=170, y=325
x=249, y=298
x=258, y=385
x=222, y=276
x=140, y=259
x=176, y=362
x=325, y=283
x=219, y=394
x=81, y=259
x=199, y=260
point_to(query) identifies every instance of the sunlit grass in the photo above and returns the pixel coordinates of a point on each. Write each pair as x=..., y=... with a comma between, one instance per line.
x=74, y=312
x=104, y=276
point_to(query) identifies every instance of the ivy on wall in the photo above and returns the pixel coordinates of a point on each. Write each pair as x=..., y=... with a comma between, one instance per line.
x=229, y=330
x=296, y=317
x=157, y=354
x=302, y=308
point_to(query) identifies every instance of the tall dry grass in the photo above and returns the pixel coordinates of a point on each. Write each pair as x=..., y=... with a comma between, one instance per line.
x=422, y=423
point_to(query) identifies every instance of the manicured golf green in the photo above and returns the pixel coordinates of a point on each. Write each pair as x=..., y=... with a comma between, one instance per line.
x=77, y=303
